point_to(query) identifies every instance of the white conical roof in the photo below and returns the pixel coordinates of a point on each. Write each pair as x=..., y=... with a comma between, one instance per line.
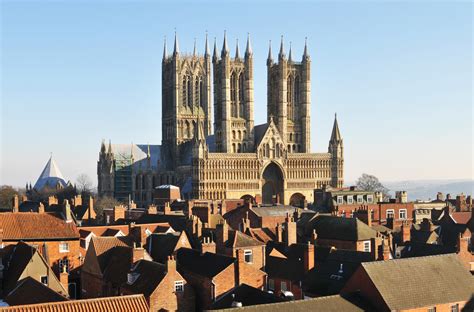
x=50, y=176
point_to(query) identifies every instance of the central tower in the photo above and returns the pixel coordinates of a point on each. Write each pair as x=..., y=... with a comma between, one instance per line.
x=233, y=100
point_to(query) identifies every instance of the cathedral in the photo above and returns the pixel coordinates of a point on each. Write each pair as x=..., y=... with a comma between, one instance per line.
x=227, y=157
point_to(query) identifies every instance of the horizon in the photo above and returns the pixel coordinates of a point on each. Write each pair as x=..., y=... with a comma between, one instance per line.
x=76, y=73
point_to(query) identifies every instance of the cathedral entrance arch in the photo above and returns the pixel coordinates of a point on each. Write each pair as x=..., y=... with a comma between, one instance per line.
x=272, y=184
x=297, y=200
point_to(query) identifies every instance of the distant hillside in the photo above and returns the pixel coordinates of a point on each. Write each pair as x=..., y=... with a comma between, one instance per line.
x=427, y=189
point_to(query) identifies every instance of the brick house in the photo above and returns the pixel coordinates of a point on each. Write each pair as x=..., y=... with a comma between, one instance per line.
x=163, y=245
x=434, y=283
x=212, y=275
x=161, y=284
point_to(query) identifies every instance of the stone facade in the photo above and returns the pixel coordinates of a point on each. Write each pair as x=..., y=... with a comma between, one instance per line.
x=271, y=162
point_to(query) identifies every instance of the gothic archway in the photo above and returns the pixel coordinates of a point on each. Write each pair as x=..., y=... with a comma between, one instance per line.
x=297, y=200
x=272, y=184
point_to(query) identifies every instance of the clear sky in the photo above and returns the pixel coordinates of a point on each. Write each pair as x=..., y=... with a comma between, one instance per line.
x=398, y=74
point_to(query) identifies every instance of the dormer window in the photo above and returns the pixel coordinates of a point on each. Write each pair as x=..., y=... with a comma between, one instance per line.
x=350, y=199
x=370, y=198
x=340, y=200
x=360, y=199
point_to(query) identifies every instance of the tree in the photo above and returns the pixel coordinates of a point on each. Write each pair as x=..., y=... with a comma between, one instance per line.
x=6, y=195
x=84, y=184
x=103, y=203
x=371, y=183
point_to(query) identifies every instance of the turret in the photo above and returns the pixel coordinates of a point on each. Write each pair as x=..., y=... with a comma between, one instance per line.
x=215, y=57
x=336, y=149
x=281, y=54
x=206, y=51
x=225, y=48
x=237, y=52
x=176, y=46
x=270, y=56
x=165, y=51
x=248, y=49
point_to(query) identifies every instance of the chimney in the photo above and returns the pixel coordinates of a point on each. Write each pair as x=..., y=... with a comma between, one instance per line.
x=463, y=244
x=52, y=200
x=245, y=222
x=15, y=203
x=385, y=254
x=208, y=245
x=119, y=212
x=290, y=230
x=152, y=209
x=240, y=263
x=279, y=233
x=77, y=200
x=64, y=279
x=167, y=208
x=308, y=257
x=67, y=211
x=439, y=196
x=364, y=215
x=41, y=208
x=171, y=264
x=222, y=235
x=448, y=196
x=138, y=253
x=405, y=229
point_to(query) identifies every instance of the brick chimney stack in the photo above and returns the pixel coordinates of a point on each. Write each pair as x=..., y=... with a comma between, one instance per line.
x=64, y=279
x=290, y=230
x=208, y=245
x=167, y=208
x=308, y=257
x=364, y=215
x=41, y=208
x=138, y=253
x=279, y=233
x=15, y=203
x=405, y=229
x=119, y=212
x=52, y=200
x=222, y=235
x=171, y=264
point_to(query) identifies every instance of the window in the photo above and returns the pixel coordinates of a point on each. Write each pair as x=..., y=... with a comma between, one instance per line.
x=350, y=199
x=63, y=247
x=283, y=286
x=44, y=280
x=390, y=213
x=64, y=263
x=402, y=214
x=367, y=246
x=360, y=199
x=340, y=200
x=455, y=308
x=248, y=256
x=370, y=198
x=178, y=286
x=271, y=284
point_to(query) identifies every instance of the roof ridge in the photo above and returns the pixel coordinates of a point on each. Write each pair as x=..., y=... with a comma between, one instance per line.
x=451, y=255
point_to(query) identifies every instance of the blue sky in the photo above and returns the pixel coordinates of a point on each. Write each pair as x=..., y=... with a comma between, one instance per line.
x=398, y=74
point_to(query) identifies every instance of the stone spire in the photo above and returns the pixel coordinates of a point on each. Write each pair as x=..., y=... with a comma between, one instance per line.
x=195, y=49
x=289, y=54
x=176, y=45
x=165, y=51
x=206, y=52
x=270, y=57
x=237, y=52
x=336, y=135
x=214, y=54
x=102, y=147
x=305, y=53
x=225, y=49
x=248, y=49
x=110, y=147
x=281, y=55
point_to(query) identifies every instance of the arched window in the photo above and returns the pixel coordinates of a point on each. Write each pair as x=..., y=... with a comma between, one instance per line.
x=201, y=93
x=187, y=129
x=289, y=97
x=241, y=95
x=233, y=134
x=190, y=91
x=197, y=100
x=184, y=90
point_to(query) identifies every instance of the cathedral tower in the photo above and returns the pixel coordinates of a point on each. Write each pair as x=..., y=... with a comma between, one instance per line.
x=289, y=98
x=186, y=98
x=336, y=149
x=233, y=99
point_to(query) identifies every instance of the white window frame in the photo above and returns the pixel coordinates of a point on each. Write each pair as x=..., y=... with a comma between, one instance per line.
x=44, y=277
x=387, y=213
x=271, y=284
x=370, y=198
x=400, y=214
x=340, y=200
x=360, y=199
x=248, y=252
x=283, y=286
x=367, y=247
x=350, y=199
x=178, y=286
x=62, y=245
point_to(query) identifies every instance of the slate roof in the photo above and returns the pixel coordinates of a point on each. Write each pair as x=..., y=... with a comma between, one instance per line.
x=259, y=132
x=150, y=275
x=335, y=303
x=274, y=210
x=163, y=245
x=247, y=295
x=420, y=282
x=238, y=239
x=207, y=264
x=30, y=291
x=20, y=257
x=36, y=226
x=346, y=229
x=134, y=303
x=102, y=246
x=50, y=176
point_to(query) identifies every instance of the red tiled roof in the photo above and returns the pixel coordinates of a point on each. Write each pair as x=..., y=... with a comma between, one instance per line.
x=33, y=226
x=461, y=217
x=134, y=303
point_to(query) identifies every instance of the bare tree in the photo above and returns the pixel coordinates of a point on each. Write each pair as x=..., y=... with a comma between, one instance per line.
x=6, y=196
x=103, y=203
x=84, y=184
x=371, y=183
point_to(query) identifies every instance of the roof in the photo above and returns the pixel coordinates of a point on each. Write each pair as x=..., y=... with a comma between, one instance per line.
x=139, y=151
x=247, y=295
x=238, y=239
x=134, y=303
x=274, y=210
x=20, y=257
x=335, y=303
x=50, y=176
x=167, y=186
x=432, y=280
x=207, y=264
x=259, y=131
x=104, y=244
x=149, y=276
x=30, y=291
x=461, y=217
x=162, y=245
x=346, y=229
x=36, y=226
x=335, y=135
